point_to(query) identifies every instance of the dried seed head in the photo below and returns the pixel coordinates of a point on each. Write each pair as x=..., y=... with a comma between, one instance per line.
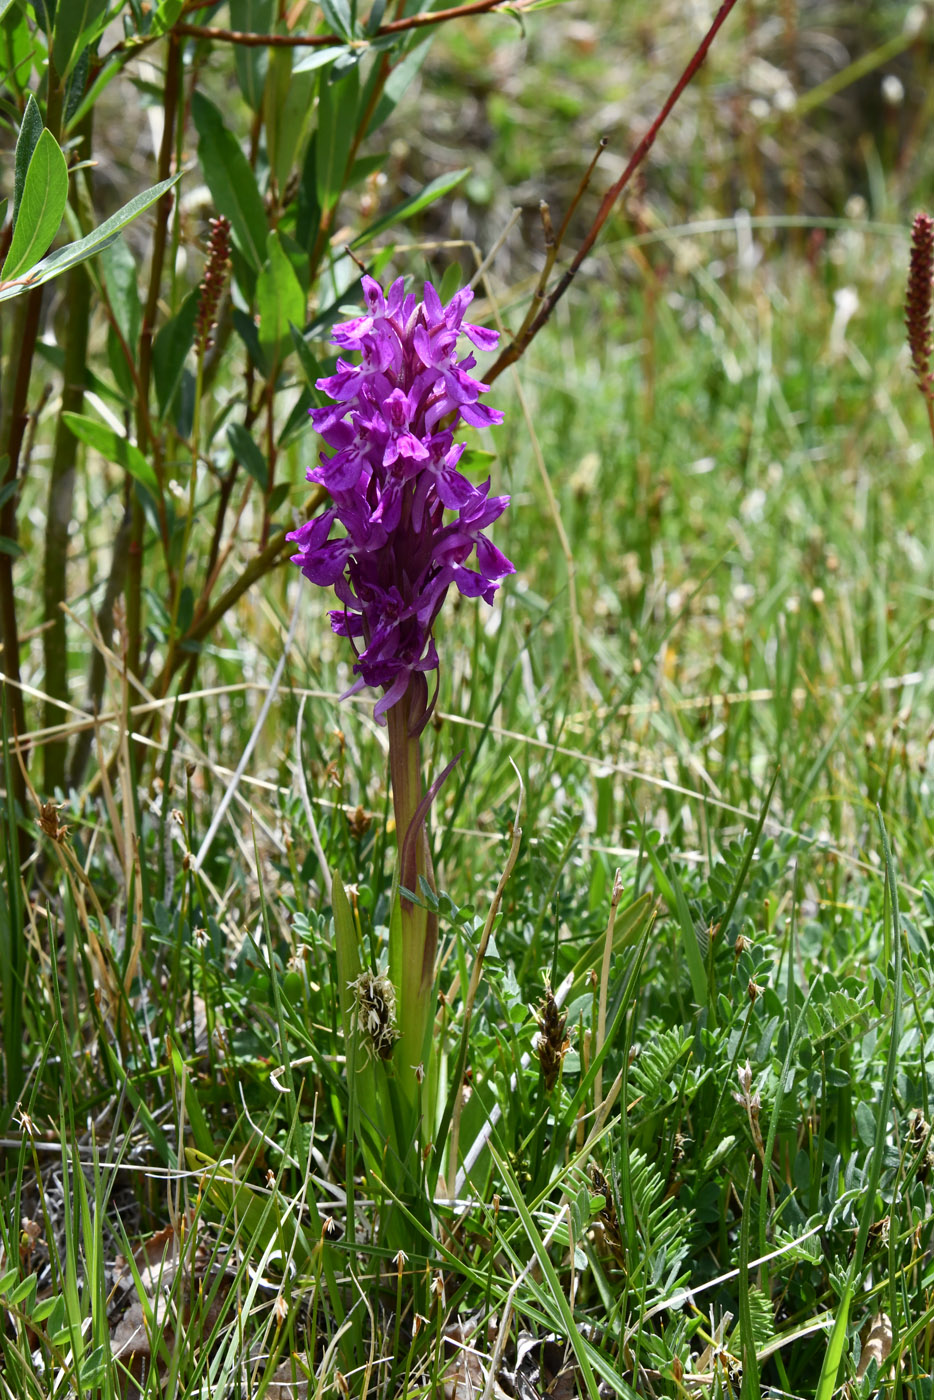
x=358, y=824
x=212, y=283
x=49, y=821
x=376, y=1013
x=918, y=301
x=607, y=1216
x=553, y=1044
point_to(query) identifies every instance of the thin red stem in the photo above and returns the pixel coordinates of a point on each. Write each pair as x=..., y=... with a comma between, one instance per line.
x=518, y=346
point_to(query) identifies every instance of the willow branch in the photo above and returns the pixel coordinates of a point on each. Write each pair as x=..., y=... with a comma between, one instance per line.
x=316, y=41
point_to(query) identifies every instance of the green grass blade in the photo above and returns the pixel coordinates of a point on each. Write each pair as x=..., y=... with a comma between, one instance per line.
x=827, y=1381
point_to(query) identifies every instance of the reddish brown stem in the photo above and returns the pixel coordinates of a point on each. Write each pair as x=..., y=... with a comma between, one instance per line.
x=315, y=41
x=520, y=344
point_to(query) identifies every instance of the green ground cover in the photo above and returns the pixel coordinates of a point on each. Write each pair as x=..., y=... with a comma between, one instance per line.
x=704, y=698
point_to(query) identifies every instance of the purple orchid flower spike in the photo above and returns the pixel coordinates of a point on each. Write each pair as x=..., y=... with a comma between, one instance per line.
x=392, y=473
x=411, y=525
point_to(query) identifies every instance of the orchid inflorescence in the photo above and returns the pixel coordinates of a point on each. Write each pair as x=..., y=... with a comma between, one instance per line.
x=391, y=476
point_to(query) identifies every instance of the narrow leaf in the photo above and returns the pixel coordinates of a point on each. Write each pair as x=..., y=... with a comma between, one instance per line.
x=77, y=24
x=337, y=111
x=290, y=105
x=45, y=193
x=252, y=17
x=170, y=347
x=435, y=190
x=549, y=1275
x=310, y=367
x=248, y=453
x=113, y=447
x=836, y=1346
x=397, y=84
x=166, y=15
x=319, y=58
x=230, y=180
x=671, y=891
x=279, y=299
x=348, y=954
x=200, y=1131
x=119, y=269
x=29, y=133
x=63, y=258
x=337, y=14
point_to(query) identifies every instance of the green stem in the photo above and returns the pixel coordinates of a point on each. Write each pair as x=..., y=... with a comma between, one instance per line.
x=60, y=503
x=412, y=958
x=97, y=673
x=144, y=436
x=189, y=514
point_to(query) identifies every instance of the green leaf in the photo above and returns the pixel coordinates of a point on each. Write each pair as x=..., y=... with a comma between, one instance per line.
x=337, y=112
x=245, y=327
x=279, y=299
x=436, y=189
x=348, y=953
x=95, y=242
x=397, y=84
x=8, y=546
x=310, y=367
x=375, y=17
x=119, y=269
x=204, y=1140
x=673, y=894
x=836, y=1345
x=166, y=15
x=252, y=17
x=24, y=1292
x=230, y=180
x=113, y=447
x=77, y=24
x=865, y=1124
x=297, y=423
x=337, y=15
x=277, y=495
x=29, y=133
x=290, y=102
x=450, y=282
x=247, y=452
x=319, y=58
x=170, y=348
x=45, y=193
x=88, y=97
x=17, y=44
x=551, y=1283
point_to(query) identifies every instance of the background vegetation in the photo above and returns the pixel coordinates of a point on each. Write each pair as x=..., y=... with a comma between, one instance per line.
x=706, y=693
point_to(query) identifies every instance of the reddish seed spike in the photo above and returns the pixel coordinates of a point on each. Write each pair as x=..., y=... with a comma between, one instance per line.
x=918, y=300
x=212, y=282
